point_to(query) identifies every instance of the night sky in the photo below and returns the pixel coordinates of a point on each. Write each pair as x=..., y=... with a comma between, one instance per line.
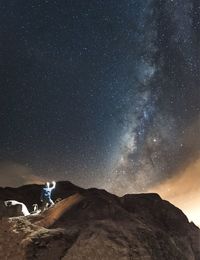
x=101, y=93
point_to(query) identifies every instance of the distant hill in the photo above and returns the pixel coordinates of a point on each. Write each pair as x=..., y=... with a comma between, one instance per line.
x=94, y=224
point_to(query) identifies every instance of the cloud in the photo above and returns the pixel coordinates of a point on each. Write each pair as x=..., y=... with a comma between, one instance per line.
x=15, y=174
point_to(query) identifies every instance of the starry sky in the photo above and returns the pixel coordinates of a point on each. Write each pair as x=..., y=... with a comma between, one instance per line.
x=101, y=93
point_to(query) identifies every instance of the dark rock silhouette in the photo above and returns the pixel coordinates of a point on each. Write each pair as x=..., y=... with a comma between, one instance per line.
x=94, y=224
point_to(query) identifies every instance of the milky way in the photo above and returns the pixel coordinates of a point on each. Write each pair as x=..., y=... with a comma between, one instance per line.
x=161, y=136
x=103, y=93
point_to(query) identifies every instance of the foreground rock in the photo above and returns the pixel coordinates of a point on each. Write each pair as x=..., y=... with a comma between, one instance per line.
x=94, y=224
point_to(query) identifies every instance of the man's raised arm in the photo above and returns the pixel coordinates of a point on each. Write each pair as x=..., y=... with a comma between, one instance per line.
x=53, y=185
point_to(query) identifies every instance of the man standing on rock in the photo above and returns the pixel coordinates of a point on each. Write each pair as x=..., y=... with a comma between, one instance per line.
x=46, y=195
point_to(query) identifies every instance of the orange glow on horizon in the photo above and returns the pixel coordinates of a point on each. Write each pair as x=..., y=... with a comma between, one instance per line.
x=183, y=190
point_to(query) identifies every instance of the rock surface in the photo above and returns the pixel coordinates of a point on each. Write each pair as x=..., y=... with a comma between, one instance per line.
x=94, y=224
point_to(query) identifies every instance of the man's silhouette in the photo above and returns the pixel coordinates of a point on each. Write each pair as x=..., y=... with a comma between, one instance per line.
x=46, y=195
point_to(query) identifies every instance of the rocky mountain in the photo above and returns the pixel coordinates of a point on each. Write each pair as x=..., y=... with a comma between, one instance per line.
x=94, y=224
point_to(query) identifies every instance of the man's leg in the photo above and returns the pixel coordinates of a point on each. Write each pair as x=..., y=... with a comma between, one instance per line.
x=44, y=205
x=51, y=203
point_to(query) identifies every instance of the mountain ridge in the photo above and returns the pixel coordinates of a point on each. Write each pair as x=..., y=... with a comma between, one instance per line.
x=95, y=224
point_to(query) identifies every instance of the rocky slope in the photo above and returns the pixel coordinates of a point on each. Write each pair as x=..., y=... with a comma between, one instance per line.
x=94, y=224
